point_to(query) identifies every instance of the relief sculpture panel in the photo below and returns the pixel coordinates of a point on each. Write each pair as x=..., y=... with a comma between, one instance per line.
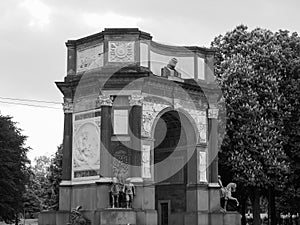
x=90, y=58
x=121, y=165
x=86, y=145
x=200, y=119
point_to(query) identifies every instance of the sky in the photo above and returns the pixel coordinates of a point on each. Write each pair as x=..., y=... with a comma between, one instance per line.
x=33, y=53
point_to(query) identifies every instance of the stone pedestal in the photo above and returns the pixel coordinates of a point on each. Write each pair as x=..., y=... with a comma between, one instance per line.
x=232, y=218
x=117, y=216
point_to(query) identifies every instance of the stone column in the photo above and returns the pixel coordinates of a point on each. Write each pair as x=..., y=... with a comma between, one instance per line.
x=67, y=139
x=214, y=187
x=213, y=143
x=71, y=61
x=65, y=188
x=135, y=121
x=106, y=133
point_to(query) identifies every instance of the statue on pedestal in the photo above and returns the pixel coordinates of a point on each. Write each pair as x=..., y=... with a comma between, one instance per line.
x=129, y=191
x=169, y=70
x=115, y=192
x=226, y=194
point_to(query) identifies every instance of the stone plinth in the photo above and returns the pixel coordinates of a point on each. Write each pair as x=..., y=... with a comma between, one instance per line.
x=117, y=216
x=232, y=218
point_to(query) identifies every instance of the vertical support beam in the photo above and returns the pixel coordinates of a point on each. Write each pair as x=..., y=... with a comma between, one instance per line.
x=213, y=144
x=67, y=139
x=105, y=136
x=135, y=121
x=71, y=61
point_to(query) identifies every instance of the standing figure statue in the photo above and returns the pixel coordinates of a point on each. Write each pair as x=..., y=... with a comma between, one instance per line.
x=226, y=193
x=129, y=191
x=115, y=192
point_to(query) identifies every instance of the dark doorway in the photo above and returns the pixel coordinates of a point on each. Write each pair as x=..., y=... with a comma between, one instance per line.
x=163, y=212
x=170, y=169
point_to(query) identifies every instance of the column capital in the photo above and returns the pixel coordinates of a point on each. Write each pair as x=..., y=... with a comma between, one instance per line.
x=105, y=100
x=67, y=105
x=213, y=113
x=136, y=99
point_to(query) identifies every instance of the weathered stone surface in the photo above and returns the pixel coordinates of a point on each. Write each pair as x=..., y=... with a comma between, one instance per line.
x=117, y=216
x=232, y=218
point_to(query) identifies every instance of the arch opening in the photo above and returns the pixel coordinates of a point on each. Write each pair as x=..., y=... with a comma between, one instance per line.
x=174, y=144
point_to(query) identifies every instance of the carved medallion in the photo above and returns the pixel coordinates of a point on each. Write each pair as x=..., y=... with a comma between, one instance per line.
x=86, y=146
x=121, y=51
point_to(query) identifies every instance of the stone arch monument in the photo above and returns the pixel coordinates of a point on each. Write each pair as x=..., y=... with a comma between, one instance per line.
x=145, y=115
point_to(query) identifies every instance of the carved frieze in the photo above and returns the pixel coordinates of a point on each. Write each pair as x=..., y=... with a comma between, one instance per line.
x=120, y=51
x=150, y=111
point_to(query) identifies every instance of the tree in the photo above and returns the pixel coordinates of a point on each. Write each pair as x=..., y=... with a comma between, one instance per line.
x=14, y=169
x=35, y=195
x=54, y=177
x=289, y=200
x=251, y=67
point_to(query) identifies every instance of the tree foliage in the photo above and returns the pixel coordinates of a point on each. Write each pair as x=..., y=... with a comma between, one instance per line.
x=43, y=190
x=14, y=168
x=54, y=178
x=256, y=71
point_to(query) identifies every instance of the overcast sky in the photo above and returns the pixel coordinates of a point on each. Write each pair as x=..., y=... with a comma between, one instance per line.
x=33, y=35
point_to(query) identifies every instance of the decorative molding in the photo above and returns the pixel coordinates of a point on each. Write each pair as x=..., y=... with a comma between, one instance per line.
x=202, y=166
x=146, y=159
x=214, y=185
x=150, y=111
x=135, y=179
x=78, y=182
x=136, y=99
x=105, y=100
x=200, y=119
x=67, y=105
x=213, y=113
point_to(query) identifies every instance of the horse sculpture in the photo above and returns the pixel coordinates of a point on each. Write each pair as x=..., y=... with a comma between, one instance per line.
x=226, y=193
